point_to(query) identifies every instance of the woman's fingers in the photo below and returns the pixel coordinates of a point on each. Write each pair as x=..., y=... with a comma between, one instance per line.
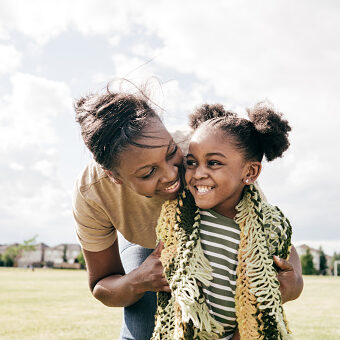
x=283, y=264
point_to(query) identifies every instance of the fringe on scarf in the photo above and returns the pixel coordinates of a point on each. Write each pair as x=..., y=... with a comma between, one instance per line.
x=184, y=314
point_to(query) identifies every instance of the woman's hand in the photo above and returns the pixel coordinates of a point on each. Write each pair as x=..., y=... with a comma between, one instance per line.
x=290, y=276
x=150, y=276
x=236, y=335
x=110, y=285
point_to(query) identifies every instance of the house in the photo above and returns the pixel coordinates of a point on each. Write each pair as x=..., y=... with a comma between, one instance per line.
x=61, y=256
x=32, y=258
x=302, y=249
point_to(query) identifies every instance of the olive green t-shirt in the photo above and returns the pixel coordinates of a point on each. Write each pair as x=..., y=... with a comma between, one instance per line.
x=100, y=207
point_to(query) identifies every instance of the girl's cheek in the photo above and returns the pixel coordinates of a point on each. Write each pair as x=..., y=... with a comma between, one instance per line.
x=187, y=175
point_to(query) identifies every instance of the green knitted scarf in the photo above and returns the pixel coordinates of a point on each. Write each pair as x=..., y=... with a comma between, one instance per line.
x=184, y=314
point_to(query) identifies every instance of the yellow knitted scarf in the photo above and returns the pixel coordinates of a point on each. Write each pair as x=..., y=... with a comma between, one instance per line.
x=184, y=314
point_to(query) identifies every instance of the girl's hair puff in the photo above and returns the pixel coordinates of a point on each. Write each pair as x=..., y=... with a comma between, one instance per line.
x=264, y=134
x=272, y=129
x=206, y=112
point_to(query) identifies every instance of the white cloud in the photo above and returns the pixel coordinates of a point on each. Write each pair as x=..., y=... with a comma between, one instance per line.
x=10, y=59
x=27, y=112
x=33, y=198
x=235, y=52
x=38, y=20
x=42, y=20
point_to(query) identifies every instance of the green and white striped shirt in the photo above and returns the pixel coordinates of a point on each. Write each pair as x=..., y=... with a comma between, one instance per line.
x=220, y=238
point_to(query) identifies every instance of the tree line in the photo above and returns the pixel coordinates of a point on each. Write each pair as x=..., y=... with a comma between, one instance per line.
x=308, y=267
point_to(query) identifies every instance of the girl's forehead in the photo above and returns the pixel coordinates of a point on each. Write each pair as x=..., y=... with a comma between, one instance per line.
x=205, y=133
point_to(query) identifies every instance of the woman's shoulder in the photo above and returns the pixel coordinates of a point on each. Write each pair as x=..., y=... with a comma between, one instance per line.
x=90, y=175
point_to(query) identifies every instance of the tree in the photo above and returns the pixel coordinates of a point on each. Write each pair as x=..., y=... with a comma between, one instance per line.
x=80, y=259
x=12, y=253
x=336, y=257
x=65, y=253
x=323, y=262
x=307, y=263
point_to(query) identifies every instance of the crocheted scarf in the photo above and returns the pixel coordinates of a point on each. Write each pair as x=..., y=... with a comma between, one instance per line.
x=184, y=314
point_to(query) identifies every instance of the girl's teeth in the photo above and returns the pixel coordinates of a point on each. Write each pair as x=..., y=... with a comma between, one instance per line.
x=203, y=188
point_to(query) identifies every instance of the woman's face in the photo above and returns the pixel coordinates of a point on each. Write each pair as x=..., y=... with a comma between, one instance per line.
x=152, y=171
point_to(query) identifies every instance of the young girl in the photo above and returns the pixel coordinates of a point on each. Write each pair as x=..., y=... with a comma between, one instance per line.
x=218, y=259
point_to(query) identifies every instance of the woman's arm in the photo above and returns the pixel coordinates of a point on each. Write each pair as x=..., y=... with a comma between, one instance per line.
x=112, y=287
x=290, y=276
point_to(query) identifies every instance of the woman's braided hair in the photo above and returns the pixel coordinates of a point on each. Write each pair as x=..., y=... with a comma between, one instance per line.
x=110, y=122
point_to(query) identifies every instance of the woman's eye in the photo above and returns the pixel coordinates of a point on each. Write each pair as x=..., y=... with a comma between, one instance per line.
x=173, y=152
x=149, y=174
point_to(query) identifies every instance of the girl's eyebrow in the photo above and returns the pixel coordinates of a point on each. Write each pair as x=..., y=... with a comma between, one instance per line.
x=208, y=154
x=216, y=154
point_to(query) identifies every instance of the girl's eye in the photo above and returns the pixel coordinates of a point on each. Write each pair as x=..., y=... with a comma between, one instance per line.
x=149, y=174
x=172, y=153
x=214, y=163
x=190, y=163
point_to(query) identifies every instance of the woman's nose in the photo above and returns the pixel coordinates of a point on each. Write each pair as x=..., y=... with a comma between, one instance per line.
x=170, y=173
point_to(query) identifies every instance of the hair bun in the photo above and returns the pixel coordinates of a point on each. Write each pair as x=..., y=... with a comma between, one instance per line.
x=272, y=129
x=206, y=112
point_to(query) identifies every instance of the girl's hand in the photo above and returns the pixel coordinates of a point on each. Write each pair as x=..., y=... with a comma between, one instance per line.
x=290, y=276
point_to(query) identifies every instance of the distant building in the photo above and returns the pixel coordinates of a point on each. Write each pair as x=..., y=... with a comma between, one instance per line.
x=302, y=249
x=34, y=257
x=60, y=256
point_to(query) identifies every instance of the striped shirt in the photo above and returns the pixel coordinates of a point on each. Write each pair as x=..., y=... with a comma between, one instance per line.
x=220, y=238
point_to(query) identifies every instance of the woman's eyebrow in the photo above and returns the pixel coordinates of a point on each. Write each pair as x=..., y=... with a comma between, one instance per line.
x=171, y=142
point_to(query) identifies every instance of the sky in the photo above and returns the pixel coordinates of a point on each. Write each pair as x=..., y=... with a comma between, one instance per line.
x=191, y=52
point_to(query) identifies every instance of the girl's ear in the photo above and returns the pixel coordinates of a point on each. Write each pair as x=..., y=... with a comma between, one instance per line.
x=253, y=171
x=115, y=179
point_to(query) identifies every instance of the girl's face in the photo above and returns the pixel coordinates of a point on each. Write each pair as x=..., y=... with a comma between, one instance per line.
x=215, y=171
x=152, y=171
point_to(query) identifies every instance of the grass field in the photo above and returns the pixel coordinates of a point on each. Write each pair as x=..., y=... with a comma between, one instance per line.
x=57, y=304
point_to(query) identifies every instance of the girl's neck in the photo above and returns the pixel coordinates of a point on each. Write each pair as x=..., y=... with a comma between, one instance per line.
x=228, y=207
x=230, y=213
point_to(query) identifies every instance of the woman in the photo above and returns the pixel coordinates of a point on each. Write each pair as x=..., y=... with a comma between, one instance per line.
x=137, y=167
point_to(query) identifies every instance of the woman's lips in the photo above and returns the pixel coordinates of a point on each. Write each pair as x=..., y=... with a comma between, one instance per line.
x=173, y=187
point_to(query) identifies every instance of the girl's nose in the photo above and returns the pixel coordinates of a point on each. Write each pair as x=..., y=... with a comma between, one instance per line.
x=200, y=173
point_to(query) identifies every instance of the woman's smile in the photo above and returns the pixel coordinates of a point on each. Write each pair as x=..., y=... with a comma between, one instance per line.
x=174, y=187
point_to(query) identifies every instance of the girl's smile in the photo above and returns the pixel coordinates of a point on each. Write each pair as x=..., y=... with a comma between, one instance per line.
x=215, y=169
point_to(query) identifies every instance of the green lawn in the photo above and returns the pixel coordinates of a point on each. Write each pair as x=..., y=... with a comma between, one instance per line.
x=53, y=304
x=315, y=315
x=57, y=304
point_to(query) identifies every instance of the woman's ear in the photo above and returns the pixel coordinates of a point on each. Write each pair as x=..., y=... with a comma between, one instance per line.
x=114, y=178
x=253, y=171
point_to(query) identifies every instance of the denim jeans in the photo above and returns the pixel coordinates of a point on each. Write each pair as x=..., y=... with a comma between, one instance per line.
x=138, y=322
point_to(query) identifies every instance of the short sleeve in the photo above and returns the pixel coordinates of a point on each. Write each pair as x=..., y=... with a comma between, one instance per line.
x=94, y=228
